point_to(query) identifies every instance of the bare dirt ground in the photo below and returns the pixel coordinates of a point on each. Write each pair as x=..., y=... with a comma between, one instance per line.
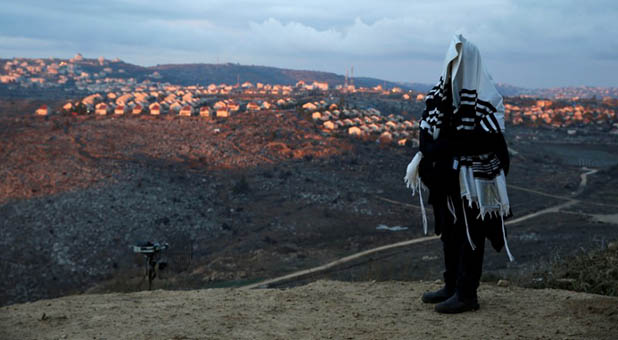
x=320, y=310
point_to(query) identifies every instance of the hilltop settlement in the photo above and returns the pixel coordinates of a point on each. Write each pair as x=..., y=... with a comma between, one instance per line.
x=112, y=87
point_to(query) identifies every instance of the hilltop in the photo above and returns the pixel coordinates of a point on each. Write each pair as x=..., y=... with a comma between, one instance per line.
x=191, y=74
x=25, y=77
x=321, y=310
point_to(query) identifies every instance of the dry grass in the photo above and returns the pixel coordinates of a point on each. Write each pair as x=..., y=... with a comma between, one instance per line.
x=593, y=272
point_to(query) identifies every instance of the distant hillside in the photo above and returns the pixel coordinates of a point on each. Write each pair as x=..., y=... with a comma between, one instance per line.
x=27, y=73
x=508, y=90
x=204, y=74
x=504, y=89
x=419, y=87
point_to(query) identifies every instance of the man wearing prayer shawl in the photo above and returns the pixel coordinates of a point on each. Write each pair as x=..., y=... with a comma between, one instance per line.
x=463, y=162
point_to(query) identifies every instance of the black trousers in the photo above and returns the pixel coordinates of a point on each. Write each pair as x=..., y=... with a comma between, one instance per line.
x=463, y=265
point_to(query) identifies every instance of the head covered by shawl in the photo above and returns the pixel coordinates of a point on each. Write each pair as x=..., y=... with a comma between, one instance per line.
x=465, y=90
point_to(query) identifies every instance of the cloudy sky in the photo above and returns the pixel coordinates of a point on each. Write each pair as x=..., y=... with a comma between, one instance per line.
x=530, y=43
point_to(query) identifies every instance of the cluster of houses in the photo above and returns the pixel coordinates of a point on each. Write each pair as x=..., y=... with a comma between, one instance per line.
x=158, y=99
x=284, y=90
x=47, y=73
x=172, y=100
x=544, y=112
x=364, y=123
x=115, y=93
x=27, y=72
x=397, y=91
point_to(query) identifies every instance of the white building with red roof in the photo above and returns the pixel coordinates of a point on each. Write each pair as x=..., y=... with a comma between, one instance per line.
x=42, y=111
x=186, y=111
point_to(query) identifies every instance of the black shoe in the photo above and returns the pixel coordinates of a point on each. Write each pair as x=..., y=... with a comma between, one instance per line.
x=438, y=296
x=457, y=305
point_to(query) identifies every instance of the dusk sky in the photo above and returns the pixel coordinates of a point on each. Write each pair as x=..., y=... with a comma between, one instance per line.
x=539, y=43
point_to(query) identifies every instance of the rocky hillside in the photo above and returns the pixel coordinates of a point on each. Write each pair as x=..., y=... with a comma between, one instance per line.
x=205, y=74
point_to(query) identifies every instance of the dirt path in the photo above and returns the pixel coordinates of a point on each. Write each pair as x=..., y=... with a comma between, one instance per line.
x=307, y=272
x=303, y=273
x=584, y=180
x=608, y=218
x=554, y=209
x=311, y=271
x=320, y=310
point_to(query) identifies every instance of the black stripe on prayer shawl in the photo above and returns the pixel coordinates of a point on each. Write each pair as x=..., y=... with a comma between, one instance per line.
x=485, y=127
x=487, y=104
x=472, y=107
x=494, y=120
x=466, y=116
x=485, y=166
x=481, y=109
x=437, y=102
x=488, y=125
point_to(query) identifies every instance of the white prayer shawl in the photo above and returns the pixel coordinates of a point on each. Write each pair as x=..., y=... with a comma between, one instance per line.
x=478, y=103
x=465, y=70
x=471, y=84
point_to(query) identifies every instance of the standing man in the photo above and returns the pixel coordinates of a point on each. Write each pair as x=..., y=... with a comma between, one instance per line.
x=463, y=162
